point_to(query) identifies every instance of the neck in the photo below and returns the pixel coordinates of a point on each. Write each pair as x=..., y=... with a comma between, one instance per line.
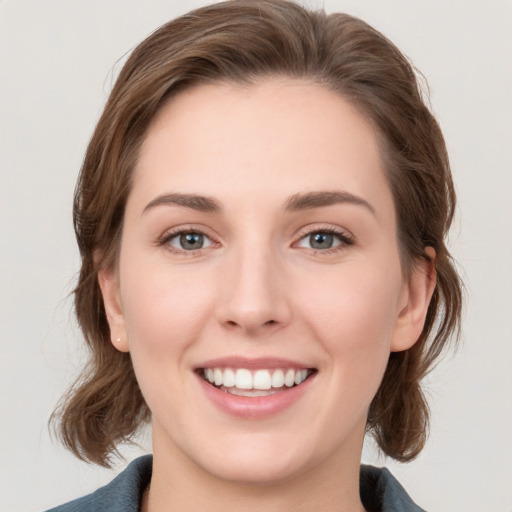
x=179, y=484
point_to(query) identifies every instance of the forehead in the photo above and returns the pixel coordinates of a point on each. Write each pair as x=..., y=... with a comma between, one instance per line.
x=274, y=138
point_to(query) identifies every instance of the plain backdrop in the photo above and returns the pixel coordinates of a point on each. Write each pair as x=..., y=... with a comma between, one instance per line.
x=58, y=60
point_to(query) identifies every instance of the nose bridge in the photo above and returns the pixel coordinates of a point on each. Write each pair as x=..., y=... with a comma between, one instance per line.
x=253, y=296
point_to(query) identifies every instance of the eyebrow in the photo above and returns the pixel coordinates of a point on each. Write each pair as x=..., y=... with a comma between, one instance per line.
x=320, y=199
x=196, y=202
x=297, y=202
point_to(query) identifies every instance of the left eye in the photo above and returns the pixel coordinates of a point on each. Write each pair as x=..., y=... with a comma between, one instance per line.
x=321, y=240
x=190, y=241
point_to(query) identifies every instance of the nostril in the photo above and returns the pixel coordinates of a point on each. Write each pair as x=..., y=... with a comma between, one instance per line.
x=233, y=323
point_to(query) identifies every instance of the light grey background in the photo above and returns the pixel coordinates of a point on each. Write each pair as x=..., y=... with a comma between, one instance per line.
x=56, y=68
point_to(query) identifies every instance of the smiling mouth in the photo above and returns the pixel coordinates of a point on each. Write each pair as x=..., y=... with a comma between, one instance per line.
x=253, y=383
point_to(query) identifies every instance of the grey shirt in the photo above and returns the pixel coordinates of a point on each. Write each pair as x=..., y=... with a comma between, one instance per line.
x=380, y=491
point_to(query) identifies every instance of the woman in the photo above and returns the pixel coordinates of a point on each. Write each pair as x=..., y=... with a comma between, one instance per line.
x=261, y=215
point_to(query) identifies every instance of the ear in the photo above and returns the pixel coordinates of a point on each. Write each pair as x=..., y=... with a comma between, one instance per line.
x=109, y=285
x=415, y=302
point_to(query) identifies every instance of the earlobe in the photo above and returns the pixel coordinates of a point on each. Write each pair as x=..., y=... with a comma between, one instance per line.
x=418, y=291
x=109, y=285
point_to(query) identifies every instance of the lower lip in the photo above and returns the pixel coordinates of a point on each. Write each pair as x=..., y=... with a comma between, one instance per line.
x=254, y=407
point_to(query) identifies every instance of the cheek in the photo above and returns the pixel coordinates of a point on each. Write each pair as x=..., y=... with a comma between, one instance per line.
x=354, y=318
x=165, y=308
x=166, y=311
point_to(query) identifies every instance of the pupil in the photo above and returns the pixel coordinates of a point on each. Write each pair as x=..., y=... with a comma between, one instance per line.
x=321, y=241
x=191, y=241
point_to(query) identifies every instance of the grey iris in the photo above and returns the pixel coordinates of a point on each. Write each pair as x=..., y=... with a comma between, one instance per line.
x=190, y=241
x=321, y=240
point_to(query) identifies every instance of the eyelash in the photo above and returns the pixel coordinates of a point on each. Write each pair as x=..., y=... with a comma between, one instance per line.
x=343, y=237
x=168, y=236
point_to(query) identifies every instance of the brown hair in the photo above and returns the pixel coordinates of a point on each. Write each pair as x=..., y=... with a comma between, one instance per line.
x=242, y=41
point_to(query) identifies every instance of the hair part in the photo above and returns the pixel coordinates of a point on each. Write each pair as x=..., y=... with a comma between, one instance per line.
x=242, y=42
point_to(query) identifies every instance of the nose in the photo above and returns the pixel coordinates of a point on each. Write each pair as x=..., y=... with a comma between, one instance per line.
x=254, y=298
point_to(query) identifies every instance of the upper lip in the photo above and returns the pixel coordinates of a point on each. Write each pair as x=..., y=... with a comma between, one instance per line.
x=252, y=363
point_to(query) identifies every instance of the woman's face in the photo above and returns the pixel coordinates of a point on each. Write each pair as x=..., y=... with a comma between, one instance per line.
x=259, y=250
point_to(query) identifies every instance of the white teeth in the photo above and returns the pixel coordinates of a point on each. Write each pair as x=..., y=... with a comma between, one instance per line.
x=289, y=379
x=229, y=378
x=300, y=376
x=245, y=379
x=278, y=379
x=218, y=377
x=262, y=380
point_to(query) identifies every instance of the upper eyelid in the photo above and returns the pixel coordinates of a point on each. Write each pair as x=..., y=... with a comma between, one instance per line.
x=187, y=228
x=319, y=227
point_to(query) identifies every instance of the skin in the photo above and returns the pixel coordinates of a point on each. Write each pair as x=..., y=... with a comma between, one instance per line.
x=259, y=289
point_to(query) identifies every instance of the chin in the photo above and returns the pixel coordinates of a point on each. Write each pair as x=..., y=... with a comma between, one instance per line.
x=257, y=471
x=262, y=458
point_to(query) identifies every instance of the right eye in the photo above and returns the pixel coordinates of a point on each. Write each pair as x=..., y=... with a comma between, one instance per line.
x=189, y=241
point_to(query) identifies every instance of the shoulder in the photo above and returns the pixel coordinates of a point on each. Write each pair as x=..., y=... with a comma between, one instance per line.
x=123, y=494
x=381, y=492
